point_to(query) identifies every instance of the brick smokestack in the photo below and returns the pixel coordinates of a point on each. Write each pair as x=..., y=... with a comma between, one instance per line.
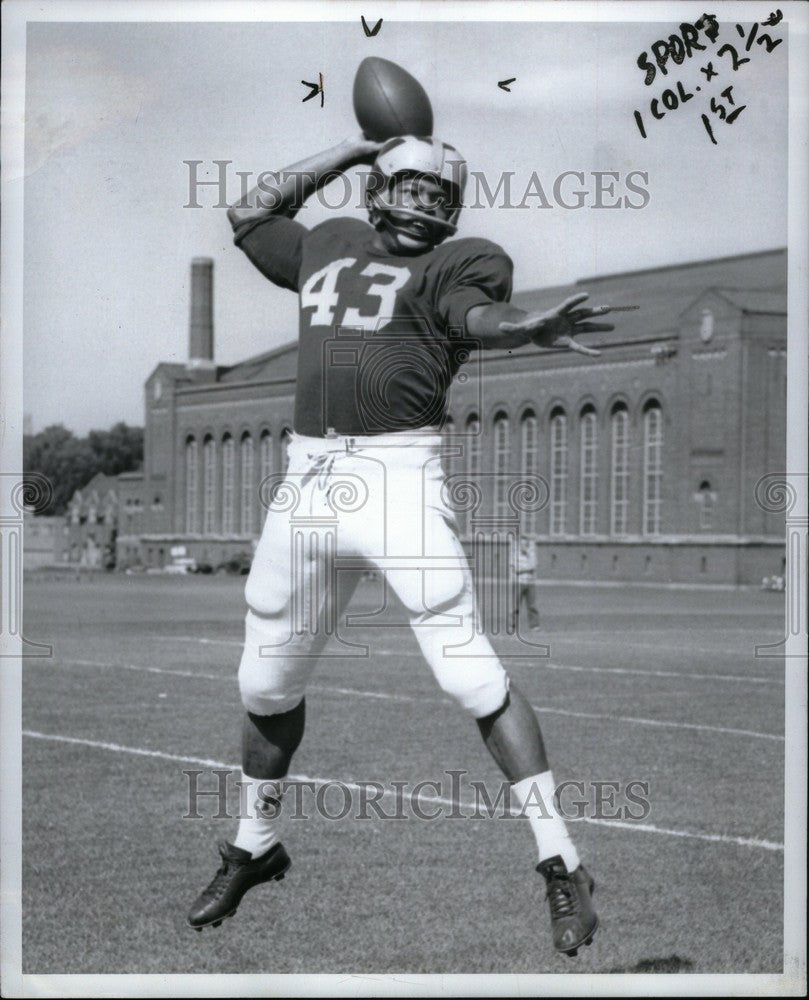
x=200, y=333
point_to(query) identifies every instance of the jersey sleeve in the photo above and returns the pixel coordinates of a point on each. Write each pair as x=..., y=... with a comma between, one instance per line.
x=274, y=245
x=478, y=276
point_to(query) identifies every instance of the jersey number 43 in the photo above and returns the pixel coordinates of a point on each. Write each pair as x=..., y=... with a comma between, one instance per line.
x=320, y=293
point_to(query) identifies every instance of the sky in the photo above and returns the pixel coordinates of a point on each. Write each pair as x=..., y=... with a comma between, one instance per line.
x=114, y=110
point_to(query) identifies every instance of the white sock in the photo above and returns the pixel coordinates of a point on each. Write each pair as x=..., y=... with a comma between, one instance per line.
x=535, y=796
x=259, y=808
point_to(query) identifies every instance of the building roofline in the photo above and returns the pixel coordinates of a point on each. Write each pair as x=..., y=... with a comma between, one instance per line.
x=177, y=368
x=747, y=309
x=191, y=390
x=264, y=356
x=485, y=356
x=681, y=265
x=184, y=386
x=498, y=353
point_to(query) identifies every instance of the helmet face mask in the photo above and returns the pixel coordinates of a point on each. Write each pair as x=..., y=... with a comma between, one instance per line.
x=415, y=198
x=412, y=208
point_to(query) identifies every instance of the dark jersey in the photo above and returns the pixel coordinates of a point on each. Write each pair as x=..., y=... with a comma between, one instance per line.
x=381, y=334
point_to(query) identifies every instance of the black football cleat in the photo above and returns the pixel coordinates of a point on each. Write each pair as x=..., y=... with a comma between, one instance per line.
x=573, y=919
x=238, y=873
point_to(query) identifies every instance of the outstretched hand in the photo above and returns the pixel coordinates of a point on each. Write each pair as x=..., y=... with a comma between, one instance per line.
x=558, y=327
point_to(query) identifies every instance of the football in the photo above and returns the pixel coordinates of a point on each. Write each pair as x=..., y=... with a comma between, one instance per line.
x=389, y=102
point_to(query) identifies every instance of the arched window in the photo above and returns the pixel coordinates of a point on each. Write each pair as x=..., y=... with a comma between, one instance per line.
x=652, y=468
x=266, y=457
x=192, y=486
x=528, y=465
x=619, y=470
x=247, y=505
x=228, y=484
x=208, y=486
x=558, y=471
x=266, y=468
x=286, y=435
x=501, y=428
x=706, y=499
x=588, y=478
x=472, y=458
x=92, y=508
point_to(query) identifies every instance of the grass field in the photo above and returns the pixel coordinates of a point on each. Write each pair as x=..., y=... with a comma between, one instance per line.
x=650, y=684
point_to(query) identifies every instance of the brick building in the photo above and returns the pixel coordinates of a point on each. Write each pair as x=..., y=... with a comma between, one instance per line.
x=91, y=523
x=647, y=457
x=45, y=539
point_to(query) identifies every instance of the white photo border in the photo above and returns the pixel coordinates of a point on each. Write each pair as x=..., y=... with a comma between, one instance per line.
x=16, y=15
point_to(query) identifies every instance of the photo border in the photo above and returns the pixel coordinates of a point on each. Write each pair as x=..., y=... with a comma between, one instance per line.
x=16, y=14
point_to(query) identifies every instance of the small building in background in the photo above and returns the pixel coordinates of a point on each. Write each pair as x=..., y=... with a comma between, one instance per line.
x=44, y=540
x=91, y=521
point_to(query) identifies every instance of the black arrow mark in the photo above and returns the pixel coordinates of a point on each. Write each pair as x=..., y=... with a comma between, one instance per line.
x=370, y=32
x=503, y=84
x=316, y=88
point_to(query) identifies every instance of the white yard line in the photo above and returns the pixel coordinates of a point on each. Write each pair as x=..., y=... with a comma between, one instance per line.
x=395, y=696
x=665, y=723
x=680, y=674
x=640, y=644
x=542, y=663
x=168, y=671
x=712, y=838
x=200, y=639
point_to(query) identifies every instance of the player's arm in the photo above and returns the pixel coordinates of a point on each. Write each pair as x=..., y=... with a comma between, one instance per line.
x=287, y=190
x=502, y=325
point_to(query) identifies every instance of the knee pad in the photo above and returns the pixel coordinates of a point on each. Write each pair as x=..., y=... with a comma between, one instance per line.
x=479, y=686
x=462, y=659
x=272, y=679
x=268, y=592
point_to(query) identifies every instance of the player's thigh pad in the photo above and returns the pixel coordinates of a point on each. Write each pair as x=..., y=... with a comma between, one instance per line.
x=461, y=658
x=288, y=545
x=270, y=583
x=275, y=666
x=438, y=592
x=285, y=596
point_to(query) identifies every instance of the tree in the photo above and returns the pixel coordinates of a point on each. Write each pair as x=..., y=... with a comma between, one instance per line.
x=69, y=463
x=119, y=449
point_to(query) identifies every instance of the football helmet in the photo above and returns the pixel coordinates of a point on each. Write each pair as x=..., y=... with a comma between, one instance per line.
x=418, y=157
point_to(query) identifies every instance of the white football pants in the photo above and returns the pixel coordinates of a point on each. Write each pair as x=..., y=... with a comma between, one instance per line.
x=344, y=502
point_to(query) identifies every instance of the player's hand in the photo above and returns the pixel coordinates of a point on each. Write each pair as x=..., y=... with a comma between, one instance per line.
x=362, y=149
x=558, y=327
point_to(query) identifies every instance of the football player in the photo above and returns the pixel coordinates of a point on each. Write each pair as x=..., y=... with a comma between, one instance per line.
x=388, y=311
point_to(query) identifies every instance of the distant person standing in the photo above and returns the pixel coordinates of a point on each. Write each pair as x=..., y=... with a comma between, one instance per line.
x=526, y=570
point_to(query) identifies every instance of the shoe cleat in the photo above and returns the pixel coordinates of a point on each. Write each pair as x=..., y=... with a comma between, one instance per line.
x=569, y=894
x=238, y=873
